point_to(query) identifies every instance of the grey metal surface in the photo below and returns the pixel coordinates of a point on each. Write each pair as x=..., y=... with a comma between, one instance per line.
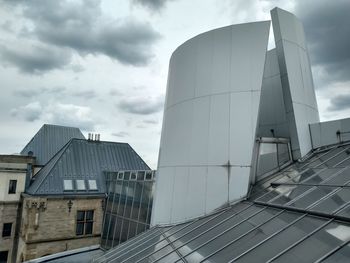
x=84, y=160
x=49, y=140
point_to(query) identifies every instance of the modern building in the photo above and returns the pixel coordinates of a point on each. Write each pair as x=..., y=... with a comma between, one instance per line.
x=246, y=171
x=129, y=206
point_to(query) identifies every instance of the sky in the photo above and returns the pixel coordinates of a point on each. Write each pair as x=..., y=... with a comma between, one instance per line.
x=102, y=66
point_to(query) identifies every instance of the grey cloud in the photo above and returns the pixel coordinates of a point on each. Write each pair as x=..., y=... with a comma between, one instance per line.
x=120, y=134
x=340, y=102
x=327, y=31
x=141, y=105
x=81, y=26
x=30, y=112
x=34, y=59
x=85, y=94
x=152, y=4
x=34, y=92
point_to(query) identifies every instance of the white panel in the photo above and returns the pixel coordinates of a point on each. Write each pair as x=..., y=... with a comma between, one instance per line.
x=203, y=67
x=195, y=202
x=176, y=147
x=296, y=79
x=200, y=131
x=184, y=81
x=178, y=212
x=239, y=182
x=221, y=60
x=244, y=109
x=217, y=188
x=161, y=211
x=218, y=151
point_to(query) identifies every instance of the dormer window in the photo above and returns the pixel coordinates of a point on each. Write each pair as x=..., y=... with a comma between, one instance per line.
x=68, y=185
x=92, y=185
x=80, y=184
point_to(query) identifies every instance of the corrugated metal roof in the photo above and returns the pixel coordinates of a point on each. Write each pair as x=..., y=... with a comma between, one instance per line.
x=84, y=160
x=49, y=140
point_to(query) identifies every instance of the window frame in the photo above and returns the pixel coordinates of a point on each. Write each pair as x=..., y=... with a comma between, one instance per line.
x=84, y=222
x=12, y=186
x=7, y=232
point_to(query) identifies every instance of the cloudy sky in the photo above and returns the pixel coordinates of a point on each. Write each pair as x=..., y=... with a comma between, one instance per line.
x=102, y=65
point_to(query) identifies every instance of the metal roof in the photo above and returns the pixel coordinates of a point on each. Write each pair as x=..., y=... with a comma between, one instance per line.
x=84, y=160
x=49, y=140
x=300, y=214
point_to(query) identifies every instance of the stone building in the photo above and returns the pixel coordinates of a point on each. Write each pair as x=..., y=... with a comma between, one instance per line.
x=60, y=194
x=13, y=172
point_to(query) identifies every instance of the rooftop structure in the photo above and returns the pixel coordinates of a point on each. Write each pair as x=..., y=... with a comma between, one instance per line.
x=49, y=140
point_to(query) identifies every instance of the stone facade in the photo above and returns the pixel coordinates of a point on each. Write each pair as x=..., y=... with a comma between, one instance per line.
x=12, y=167
x=49, y=225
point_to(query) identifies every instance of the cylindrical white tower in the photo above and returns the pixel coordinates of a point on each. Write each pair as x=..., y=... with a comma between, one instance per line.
x=210, y=120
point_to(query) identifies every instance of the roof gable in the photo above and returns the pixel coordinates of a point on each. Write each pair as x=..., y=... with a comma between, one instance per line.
x=49, y=140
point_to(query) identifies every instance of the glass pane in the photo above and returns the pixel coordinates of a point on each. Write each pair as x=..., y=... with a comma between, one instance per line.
x=148, y=175
x=89, y=215
x=322, y=176
x=126, y=175
x=267, y=160
x=132, y=229
x=317, y=244
x=281, y=241
x=80, y=184
x=341, y=178
x=333, y=202
x=254, y=237
x=80, y=215
x=283, y=154
x=80, y=229
x=342, y=255
x=312, y=197
x=290, y=194
x=92, y=185
x=345, y=211
x=67, y=185
x=141, y=175
x=232, y=233
x=88, y=228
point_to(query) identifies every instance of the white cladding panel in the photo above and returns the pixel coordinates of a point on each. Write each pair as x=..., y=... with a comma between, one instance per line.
x=325, y=133
x=210, y=120
x=296, y=78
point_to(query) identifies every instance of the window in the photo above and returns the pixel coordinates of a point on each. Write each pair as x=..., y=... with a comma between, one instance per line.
x=6, y=230
x=12, y=186
x=80, y=184
x=85, y=220
x=68, y=185
x=92, y=185
x=148, y=175
x=3, y=256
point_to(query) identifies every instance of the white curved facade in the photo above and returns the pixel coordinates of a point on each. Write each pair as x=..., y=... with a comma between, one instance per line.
x=210, y=121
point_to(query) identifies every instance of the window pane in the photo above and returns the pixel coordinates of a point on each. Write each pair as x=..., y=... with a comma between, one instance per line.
x=312, y=197
x=281, y=241
x=92, y=185
x=334, y=202
x=141, y=175
x=234, y=233
x=342, y=255
x=89, y=215
x=88, y=228
x=12, y=186
x=148, y=175
x=317, y=244
x=6, y=230
x=290, y=194
x=254, y=237
x=80, y=229
x=80, y=184
x=80, y=215
x=67, y=185
x=283, y=153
